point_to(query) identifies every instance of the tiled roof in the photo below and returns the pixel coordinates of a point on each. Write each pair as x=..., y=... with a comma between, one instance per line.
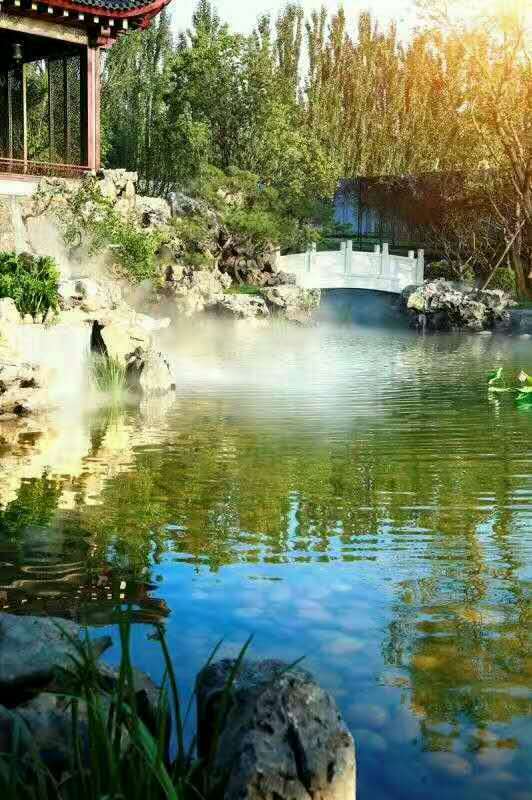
x=114, y=5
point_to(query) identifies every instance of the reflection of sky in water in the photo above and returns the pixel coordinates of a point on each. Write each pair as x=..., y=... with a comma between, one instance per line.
x=338, y=621
x=343, y=495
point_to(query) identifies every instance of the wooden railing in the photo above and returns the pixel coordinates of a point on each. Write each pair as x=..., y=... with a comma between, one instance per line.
x=18, y=166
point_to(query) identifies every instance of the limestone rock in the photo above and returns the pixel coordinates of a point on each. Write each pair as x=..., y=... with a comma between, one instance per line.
x=149, y=372
x=45, y=725
x=22, y=389
x=443, y=305
x=89, y=295
x=283, y=737
x=36, y=658
x=182, y=205
x=33, y=648
x=8, y=312
x=152, y=212
x=193, y=290
x=122, y=338
x=294, y=303
x=242, y=306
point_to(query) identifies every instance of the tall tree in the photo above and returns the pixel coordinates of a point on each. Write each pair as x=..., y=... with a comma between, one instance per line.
x=135, y=80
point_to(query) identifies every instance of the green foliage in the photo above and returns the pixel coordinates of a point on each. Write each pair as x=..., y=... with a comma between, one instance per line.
x=449, y=271
x=89, y=214
x=244, y=288
x=361, y=102
x=31, y=282
x=35, y=504
x=108, y=375
x=123, y=752
x=135, y=125
x=504, y=279
x=522, y=388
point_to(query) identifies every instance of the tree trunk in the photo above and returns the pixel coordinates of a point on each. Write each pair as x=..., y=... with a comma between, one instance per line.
x=523, y=273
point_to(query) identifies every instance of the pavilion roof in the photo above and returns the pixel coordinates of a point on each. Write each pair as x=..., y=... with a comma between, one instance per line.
x=111, y=17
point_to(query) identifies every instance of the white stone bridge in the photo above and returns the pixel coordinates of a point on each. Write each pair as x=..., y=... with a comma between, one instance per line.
x=349, y=269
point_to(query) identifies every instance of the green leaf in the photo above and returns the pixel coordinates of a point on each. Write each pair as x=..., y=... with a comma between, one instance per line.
x=494, y=376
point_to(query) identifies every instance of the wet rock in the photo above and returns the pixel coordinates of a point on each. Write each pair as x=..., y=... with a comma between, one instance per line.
x=294, y=303
x=44, y=725
x=242, y=306
x=33, y=649
x=442, y=305
x=35, y=683
x=149, y=372
x=283, y=737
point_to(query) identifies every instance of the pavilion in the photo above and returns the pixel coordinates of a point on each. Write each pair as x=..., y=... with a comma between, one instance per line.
x=49, y=81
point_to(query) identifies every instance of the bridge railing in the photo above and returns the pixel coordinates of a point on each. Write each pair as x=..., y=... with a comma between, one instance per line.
x=345, y=268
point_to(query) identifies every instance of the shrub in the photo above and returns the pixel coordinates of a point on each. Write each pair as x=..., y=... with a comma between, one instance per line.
x=504, y=279
x=244, y=288
x=449, y=271
x=31, y=282
x=91, y=214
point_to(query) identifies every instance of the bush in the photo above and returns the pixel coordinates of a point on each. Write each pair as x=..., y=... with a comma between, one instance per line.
x=31, y=282
x=244, y=288
x=93, y=215
x=449, y=271
x=504, y=279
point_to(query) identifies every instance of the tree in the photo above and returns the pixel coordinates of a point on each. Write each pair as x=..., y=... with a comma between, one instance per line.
x=134, y=122
x=497, y=114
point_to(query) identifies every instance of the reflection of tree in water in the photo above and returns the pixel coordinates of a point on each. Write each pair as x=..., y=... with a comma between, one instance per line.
x=434, y=492
x=463, y=632
x=59, y=569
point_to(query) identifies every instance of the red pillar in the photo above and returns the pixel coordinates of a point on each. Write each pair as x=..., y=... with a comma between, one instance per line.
x=93, y=108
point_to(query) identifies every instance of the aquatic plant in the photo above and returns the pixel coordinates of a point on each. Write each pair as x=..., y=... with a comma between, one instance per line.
x=31, y=282
x=107, y=375
x=522, y=389
x=119, y=750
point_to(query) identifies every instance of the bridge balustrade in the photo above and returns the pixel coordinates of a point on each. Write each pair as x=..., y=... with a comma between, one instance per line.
x=348, y=269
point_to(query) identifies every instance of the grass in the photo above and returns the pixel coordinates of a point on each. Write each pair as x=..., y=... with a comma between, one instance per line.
x=117, y=753
x=244, y=288
x=107, y=375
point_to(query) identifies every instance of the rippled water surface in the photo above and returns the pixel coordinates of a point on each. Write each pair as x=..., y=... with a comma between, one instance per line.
x=347, y=494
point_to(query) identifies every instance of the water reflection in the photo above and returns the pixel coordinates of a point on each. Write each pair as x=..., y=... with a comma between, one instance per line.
x=349, y=495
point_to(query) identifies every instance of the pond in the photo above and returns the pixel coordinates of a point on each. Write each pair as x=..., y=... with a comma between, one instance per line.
x=349, y=494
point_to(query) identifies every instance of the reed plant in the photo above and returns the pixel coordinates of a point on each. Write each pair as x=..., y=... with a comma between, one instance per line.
x=107, y=375
x=116, y=753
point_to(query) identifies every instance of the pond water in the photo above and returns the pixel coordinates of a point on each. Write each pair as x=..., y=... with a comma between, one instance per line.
x=349, y=494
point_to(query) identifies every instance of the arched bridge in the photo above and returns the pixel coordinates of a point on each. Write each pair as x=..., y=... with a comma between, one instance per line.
x=349, y=269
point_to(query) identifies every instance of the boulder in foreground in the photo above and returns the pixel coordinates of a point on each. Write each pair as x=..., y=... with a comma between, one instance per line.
x=283, y=737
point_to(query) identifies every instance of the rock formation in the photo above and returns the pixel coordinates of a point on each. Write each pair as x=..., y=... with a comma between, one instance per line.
x=35, y=676
x=282, y=737
x=441, y=306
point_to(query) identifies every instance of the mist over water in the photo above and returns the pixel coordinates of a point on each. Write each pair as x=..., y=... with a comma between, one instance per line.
x=348, y=493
